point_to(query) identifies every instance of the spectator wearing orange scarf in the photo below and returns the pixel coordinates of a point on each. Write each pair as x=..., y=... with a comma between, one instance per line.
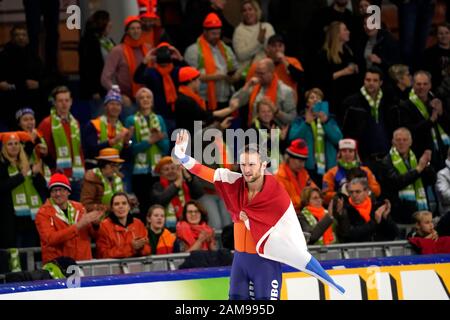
x=161, y=77
x=216, y=61
x=314, y=219
x=193, y=230
x=124, y=59
x=360, y=219
x=265, y=83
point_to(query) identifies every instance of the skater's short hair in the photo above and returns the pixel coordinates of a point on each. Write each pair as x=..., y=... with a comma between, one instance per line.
x=261, y=150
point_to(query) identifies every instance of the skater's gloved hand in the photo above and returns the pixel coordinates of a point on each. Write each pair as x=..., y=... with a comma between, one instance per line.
x=181, y=144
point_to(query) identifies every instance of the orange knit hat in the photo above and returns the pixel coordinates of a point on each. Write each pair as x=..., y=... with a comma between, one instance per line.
x=212, y=21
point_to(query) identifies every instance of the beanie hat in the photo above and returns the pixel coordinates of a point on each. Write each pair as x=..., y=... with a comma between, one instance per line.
x=187, y=74
x=59, y=180
x=15, y=135
x=212, y=21
x=129, y=20
x=23, y=112
x=347, y=144
x=113, y=95
x=298, y=149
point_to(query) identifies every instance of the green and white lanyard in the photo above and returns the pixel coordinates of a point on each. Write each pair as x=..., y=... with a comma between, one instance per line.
x=146, y=161
x=109, y=189
x=64, y=157
x=374, y=104
x=104, y=132
x=424, y=112
x=72, y=215
x=319, y=145
x=25, y=197
x=413, y=192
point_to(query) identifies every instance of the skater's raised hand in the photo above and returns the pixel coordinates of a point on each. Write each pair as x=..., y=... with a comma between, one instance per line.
x=181, y=144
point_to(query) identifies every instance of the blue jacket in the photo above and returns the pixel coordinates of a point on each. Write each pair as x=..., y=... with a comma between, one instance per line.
x=301, y=129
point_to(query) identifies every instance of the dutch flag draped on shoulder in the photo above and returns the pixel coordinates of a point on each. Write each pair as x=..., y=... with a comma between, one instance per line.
x=272, y=220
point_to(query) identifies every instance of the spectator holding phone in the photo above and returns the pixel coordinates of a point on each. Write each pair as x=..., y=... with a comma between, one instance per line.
x=120, y=235
x=320, y=131
x=159, y=72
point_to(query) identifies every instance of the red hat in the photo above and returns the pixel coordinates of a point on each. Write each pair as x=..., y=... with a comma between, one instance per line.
x=59, y=180
x=188, y=74
x=147, y=8
x=298, y=149
x=16, y=135
x=212, y=21
x=129, y=20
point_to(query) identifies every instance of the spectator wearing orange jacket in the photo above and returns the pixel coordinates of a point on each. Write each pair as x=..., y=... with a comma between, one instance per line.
x=64, y=226
x=292, y=173
x=121, y=235
x=161, y=240
x=336, y=178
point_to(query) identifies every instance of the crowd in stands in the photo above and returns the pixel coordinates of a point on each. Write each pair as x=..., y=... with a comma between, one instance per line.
x=362, y=128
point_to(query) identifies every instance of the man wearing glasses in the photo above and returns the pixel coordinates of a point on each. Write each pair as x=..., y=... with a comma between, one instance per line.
x=64, y=227
x=359, y=218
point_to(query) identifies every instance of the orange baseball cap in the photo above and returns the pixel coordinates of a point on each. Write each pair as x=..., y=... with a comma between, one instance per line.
x=188, y=74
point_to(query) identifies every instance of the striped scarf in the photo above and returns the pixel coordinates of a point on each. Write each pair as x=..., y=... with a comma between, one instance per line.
x=64, y=157
x=374, y=104
x=104, y=131
x=312, y=216
x=153, y=154
x=413, y=192
x=424, y=112
x=25, y=198
x=109, y=188
x=319, y=145
x=72, y=215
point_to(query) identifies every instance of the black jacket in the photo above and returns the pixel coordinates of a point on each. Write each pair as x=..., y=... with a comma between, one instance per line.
x=359, y=124
x=386, y=48
x=351, y=227
x=9, y=223
x=164, y=196
x=392, y=182
x=407, y=115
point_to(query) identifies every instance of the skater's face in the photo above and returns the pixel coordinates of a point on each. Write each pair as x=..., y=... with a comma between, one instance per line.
x=27, y=122
x=251, y=167
x=120, y=206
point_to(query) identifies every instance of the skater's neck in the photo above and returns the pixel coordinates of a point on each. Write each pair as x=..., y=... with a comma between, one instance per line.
x=256, y=186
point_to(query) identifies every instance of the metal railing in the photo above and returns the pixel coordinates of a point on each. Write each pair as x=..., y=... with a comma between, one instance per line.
x=169, y=262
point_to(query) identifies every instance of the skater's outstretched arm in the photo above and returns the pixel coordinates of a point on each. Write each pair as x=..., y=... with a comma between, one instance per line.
x=188, y=162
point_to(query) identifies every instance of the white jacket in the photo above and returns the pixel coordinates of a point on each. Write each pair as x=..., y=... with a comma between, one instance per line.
x=443, y=188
